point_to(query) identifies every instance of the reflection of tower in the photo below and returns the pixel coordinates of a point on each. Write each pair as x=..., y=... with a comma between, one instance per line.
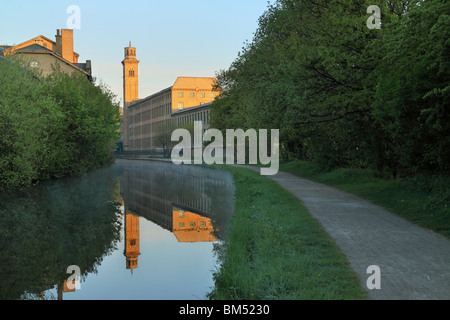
x=130, y=87
x=61, y=289
x=66, y=287
x=132, y=241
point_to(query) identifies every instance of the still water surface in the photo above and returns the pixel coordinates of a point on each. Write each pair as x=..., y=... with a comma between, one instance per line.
x=137, y=230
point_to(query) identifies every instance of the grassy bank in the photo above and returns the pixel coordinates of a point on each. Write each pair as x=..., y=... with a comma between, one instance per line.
x=277, y=250
x=423, y=200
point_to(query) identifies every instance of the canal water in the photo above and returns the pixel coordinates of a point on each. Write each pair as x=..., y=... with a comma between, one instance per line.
x=139, y=230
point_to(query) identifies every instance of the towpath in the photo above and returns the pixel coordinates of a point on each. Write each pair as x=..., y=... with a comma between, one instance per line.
x=414, y=262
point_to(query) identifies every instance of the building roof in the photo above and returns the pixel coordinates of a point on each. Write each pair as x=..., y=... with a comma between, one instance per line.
x=43, y=37
x=84, y=66
x=3, y=48
x=182, y=83
x=134, y=103
x=34, y=47
x=38, y=49
x=189, y=83
x=29, y=42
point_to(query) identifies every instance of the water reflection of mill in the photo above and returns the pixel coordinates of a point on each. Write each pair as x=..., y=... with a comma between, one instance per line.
x=78, y=221
x=193, y=203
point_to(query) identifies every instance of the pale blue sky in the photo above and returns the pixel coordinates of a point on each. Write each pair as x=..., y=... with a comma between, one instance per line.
x=173, y=37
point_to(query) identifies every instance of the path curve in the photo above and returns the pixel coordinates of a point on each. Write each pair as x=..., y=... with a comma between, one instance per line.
x=414, y=262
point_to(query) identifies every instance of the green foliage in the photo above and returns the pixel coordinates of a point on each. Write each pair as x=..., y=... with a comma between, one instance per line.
x=87, y=135
x=27, y=119
x=343, y=94
x=52, y=127
x=412, y=98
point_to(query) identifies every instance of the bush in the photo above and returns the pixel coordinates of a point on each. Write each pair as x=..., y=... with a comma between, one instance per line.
x=50, y=127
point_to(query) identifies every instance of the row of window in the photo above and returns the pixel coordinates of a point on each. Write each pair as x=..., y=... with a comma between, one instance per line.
x=190, y=118
x=193, y=224
x=153, y=113
x=202, y=203
x=148, y=129
x=162, y=110
x=130, y=52
x=192, y=95
x=161, y=98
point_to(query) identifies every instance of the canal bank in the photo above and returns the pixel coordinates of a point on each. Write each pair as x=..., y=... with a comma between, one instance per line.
x=278, y=251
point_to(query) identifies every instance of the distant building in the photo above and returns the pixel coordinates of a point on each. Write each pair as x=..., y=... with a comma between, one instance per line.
x=144, y=120
x=43, y=53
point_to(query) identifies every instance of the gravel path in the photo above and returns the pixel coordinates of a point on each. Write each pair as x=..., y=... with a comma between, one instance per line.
x=414, y=262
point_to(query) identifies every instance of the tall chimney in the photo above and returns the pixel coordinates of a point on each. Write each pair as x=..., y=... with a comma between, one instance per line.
x=58, y=46
x=67, y=44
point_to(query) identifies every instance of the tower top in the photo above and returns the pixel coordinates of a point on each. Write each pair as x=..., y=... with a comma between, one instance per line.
x=130, y=52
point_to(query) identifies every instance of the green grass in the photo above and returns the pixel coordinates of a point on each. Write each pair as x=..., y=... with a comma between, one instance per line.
x=278, y=251
x=423, y=200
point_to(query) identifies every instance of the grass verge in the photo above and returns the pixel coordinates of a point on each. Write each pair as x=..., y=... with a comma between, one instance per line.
x=278, y=251
x=423, y=200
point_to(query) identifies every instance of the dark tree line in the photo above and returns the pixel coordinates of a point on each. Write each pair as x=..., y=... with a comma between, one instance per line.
x=342, y=94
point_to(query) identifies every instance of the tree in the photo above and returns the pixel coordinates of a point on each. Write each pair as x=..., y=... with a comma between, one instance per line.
x=52, y=127
x=343, y=94
x=28, y=118
x=88, y=133
x=164, y=137
x=412, y=97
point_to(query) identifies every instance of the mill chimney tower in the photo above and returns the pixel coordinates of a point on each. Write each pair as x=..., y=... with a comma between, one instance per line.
x=130, y=87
